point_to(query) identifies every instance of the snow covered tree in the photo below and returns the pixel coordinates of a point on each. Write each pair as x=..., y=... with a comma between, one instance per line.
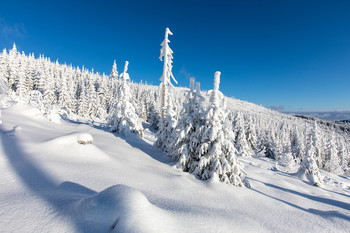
x=21, y=83
x=167, y=53
x=124, y=119
x=241, y=143
x=114, y=80
x=317, y=145
x=216, y=156
x=166, y=128
x=92, y=95
x=298, y=147
x=49, y=94
x=36, y=100
x=309, y=166
x=332, y=163
x=3, y=89
x=184, y=146
x=114, y=72
x=342, y=154
x=251, y=136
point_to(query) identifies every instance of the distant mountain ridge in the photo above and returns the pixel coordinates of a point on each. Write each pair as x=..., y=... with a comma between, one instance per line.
x=324, y=115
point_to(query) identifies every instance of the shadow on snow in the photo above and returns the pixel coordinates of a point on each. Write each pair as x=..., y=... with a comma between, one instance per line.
x=58, y=196
x=325, y=214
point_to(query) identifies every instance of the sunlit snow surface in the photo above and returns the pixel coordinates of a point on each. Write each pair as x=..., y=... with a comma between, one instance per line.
x=51, y=183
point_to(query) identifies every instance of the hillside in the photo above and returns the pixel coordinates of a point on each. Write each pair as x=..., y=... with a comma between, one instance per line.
x=75, y=92
x=50, y=183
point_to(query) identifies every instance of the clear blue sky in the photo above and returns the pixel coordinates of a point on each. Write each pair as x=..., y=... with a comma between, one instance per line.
x=294, y=54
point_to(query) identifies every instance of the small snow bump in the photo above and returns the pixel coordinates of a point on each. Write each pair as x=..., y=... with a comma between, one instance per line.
x=84, y=138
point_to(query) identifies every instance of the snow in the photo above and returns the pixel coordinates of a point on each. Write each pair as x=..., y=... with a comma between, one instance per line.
x=50, y=183
x=84, y=138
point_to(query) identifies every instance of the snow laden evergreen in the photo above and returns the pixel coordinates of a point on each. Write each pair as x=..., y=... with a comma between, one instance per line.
x=251, y=135
x=168, y=122
x=3, y=89
x=241, y=144
x=318, y=145
x=166, y=127
x=114, y=83
x=332, y=163
x=216, y=155
x=124, y=119
x=309, y=165
x=183, y=148
x=167, y=54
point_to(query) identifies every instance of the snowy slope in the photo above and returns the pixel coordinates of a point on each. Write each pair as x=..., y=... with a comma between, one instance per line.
x=51, y=183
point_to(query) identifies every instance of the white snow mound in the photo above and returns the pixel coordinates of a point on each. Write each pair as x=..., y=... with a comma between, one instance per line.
x=84, y=138
x=120, y=208
x=15, y=131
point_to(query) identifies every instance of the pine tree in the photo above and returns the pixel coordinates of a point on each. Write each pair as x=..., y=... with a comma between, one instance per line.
x=13, y=68
x=93, y=99
x=241, y=144
x=251, y=136
x=49, y=94
x=317, y=145
x=216, y=156
x=3, y=89
x=21, y=81
x=332, y=163
x=184, y=146
x=124, y=118
x=166, y=128
x=309, y=165
x=298, y=147
x=114, y=81
x=83, y=100
x=167, y=53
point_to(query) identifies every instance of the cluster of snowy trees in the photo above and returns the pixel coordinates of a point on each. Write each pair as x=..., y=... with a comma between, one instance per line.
x=202, y=141
x=204, y=131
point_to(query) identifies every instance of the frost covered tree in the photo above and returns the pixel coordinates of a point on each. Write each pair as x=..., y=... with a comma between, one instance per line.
x=298, y=147
x=3, y=89
x=332, y=163
x=251, y=136
x=186, y=141
x=166, y=127
x=49, y=98
x=124, y=119
x=241, y=143
x=309, y=165
x=21, y=82
x=216, y=156
x=317, y=145
x=342, y=154
x=167, y=54
x=114, y=80
x=83, y=101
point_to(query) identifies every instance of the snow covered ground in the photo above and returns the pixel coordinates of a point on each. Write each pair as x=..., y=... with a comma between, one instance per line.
x=51, y=183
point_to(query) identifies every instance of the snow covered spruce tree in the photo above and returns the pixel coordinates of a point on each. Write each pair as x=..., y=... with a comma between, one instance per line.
x=332, y=163
x=251, y=134
x=318, y=145
x=309, y=165
x=166, y=127
x=184, y=146
x=124, y=118
x=167, y=54
x=216, y=156
x=114, y=85
x=241, y=144
x=3, y=89
x=167, y=123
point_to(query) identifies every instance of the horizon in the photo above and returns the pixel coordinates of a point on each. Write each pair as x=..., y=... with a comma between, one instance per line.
x=266, y=54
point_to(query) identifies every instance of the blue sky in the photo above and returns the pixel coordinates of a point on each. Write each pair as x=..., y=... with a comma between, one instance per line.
x=292, y=54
